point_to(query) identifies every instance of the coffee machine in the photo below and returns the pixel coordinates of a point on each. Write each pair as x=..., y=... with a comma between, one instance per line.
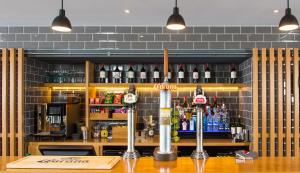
x=57, y=119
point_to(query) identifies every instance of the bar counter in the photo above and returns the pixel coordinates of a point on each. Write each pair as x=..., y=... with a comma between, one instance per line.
x=184, y=165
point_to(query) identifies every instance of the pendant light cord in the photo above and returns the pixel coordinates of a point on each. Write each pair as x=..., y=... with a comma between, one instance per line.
x=175, y=3
x=62, y=4
x=288, y=3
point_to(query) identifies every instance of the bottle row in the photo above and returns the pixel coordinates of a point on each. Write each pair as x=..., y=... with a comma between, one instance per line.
x=118, y=74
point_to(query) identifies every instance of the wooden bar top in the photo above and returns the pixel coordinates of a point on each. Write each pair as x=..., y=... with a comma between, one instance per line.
x=143, y=142
x=184, y=165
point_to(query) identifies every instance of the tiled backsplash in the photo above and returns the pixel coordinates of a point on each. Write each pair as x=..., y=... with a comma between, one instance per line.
x=148, y=37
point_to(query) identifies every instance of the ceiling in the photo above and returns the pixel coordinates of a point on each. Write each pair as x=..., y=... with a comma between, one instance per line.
x=146, y=12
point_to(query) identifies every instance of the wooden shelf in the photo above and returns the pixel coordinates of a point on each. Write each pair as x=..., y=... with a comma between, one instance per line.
x=109, y=119
x=64, y=84
x=107, y=105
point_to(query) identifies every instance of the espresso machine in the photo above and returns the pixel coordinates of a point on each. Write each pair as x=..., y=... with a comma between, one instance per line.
x=57, y=119
x=62, y=118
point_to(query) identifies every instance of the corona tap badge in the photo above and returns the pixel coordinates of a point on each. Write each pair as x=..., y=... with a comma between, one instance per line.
x=163, y=86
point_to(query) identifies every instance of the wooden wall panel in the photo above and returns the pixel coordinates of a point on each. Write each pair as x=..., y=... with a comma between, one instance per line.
x=280, y=102
x=287, y=100
x=12, y=102
x=21, y=87
x=296, y=101
x=5, y=61
x=272, y=102
x=255, y=60
x=264, y=101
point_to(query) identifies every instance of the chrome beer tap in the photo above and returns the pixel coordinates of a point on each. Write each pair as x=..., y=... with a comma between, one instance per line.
x=199, y=102
x=130, y=99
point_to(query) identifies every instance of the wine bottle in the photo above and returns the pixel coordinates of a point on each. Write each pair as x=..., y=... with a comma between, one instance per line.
x=180, y=74
x=116, y=75
x=143, y=75
x=102, y=74
x=195, y=75
x=130, y=75
x=233, y=74
x=207, y=75
x=232, y=127
x=156, y=75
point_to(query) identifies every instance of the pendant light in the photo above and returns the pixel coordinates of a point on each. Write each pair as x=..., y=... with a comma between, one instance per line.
x=288, y=22
x=61, y=22
x=175, y=21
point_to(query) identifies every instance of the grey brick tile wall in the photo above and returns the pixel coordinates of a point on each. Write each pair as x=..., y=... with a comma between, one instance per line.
x=148, y=37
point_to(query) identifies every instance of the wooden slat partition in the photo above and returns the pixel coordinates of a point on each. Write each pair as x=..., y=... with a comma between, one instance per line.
x=5, y=61
x=21, y=88
x=12, y=102
x=284, y=129
x=12, y=86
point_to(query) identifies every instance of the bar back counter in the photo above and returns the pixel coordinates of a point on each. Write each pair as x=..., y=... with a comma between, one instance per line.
x=264, y=99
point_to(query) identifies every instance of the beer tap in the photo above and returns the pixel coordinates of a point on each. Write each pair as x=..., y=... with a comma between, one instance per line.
x=199, y=102
x=130, y=100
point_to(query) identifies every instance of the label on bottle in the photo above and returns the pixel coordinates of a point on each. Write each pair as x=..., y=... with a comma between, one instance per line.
x=233, y=74
x=207, y=74
x=143, y=75
x=130, y=74
x=102, y=74
x=181, y=75
x=232, y=129
x=239, y=130
x=116, y=75
x=156, y=74
x=169, y=75
x=195, y=75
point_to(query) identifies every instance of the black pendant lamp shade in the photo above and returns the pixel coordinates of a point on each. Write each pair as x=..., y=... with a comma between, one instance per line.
x=288, y=22
x=175, y=21
x=61, y=22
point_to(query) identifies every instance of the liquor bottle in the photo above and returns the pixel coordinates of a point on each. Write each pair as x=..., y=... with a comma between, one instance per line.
x=195, y=75
x=216, y=114
x=169, y=75
x=184, y=124
x=192, y=124
x=180, y=74
x=239, y=126
x=207, y=74
x=225, y=117
x=233, y=128
x=156, y=75
x=102, y=74
x=130, y=75
x=116, y=75
x=233, y=74
x=143, y=75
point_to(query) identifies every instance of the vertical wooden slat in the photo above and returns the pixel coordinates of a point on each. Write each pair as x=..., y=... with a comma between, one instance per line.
x=12, y=102
x=272, y=103
x=255, y=98
x=4, y=100
x=20, y=102
x=288, y=101
x=87, y=76
x=264, y=101
x=280, y=103
x=296, y=101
